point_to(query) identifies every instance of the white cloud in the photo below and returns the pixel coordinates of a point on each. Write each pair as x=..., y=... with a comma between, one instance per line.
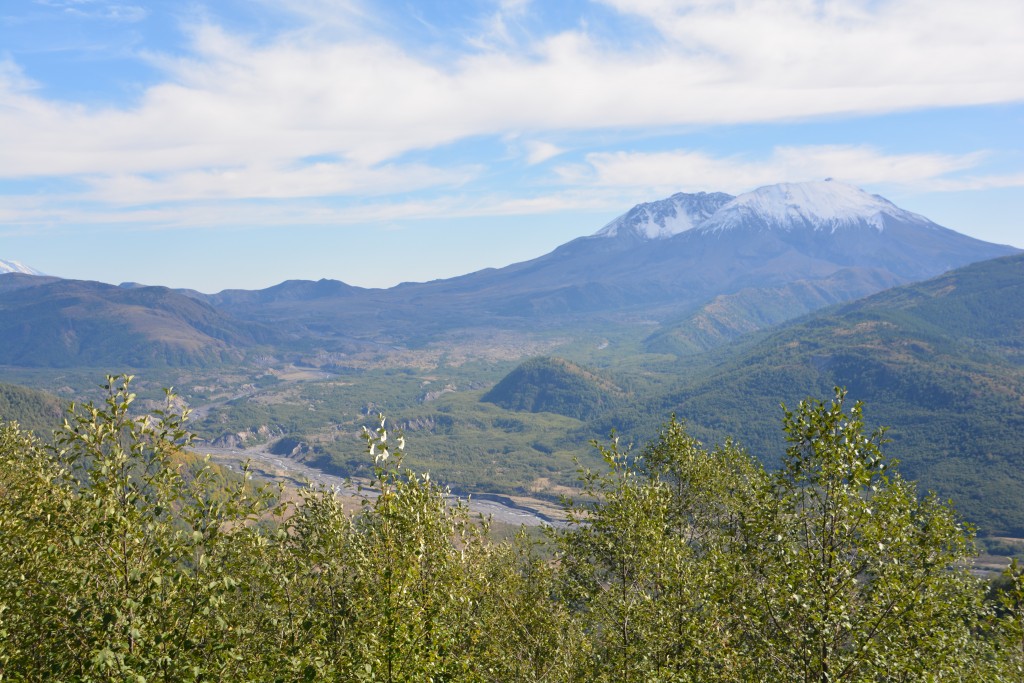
x=366, y=99
x=538, y=151
x=19, y=216
x=235, y=118
x=13, y=81
x=606, y=182
x=671, y=171
x=603, y=181
x=844, y=44
x=319, y=179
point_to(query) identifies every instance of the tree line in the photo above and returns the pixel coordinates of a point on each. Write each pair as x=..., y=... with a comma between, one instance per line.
x=121, y=559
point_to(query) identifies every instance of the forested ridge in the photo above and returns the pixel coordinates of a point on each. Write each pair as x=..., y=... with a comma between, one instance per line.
x=124, y=560
x=35, y=410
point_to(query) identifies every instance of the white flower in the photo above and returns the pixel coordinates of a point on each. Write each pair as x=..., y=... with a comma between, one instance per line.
x=401, y=443
x=382, y=456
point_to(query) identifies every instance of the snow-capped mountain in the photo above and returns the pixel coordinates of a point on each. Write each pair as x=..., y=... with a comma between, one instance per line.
x=821, y=205
x=700, y=268
x=782, y=249
x=825, y=205
x=667, y=217
x=15, y=267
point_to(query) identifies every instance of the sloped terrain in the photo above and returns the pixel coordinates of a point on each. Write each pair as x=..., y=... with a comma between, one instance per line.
x=68, y=323
x=941, y=362
x=555, y=385
x=774, y=254
x=705, y=268
x=33, y=410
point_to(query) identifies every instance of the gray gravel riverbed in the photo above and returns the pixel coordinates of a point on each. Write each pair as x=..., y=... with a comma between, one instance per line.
x=266, y=465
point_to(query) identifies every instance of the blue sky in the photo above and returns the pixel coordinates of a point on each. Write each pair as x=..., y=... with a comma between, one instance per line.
x=236, y=144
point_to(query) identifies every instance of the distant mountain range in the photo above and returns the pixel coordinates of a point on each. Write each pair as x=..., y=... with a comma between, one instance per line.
x=783, y=250
x=50, y=322
x=705, y=267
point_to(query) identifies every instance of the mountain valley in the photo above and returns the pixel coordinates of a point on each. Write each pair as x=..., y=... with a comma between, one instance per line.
x=714, y=307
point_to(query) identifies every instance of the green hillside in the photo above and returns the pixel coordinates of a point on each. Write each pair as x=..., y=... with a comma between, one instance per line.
x=941, y=363
x=555, y=385
x=34, y=410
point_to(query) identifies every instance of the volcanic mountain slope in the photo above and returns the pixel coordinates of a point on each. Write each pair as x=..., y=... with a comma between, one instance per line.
x=786, y=249
x=16, y=267
x=941, y=362
x=665, y=218
x=66, y=323
x=730, y=316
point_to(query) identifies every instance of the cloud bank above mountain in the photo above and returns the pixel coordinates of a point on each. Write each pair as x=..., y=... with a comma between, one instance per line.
x=342, y=113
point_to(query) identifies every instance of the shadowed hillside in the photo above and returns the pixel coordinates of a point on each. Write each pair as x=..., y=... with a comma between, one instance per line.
x=67, y=323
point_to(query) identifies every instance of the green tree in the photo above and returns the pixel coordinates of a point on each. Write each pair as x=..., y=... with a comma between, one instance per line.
x=122, y=548
x=1007, y=626
x=32, y=502
x=125, y=559
x=525, y=633
x=649, y=563
x=388, y=593
x=852, y=575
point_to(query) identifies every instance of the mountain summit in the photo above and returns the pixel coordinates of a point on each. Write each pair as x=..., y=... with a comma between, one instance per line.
x=826, y=205
x=667, y=217
x=700, y=268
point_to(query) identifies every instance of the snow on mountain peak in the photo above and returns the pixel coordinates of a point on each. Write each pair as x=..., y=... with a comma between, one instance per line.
x=822, y=205
x=15, y=267
x=667, y=217
x=825, y=205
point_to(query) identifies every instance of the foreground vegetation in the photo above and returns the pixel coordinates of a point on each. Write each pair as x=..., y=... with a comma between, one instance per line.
x=123, y=560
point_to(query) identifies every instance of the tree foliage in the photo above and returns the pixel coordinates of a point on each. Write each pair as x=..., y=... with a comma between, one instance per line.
x=124, y=559
x=853, y=576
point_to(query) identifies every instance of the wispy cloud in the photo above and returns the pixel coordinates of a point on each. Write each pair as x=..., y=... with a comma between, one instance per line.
x=68, y=214
x=317, y=179
x=235, y=117
x=231, y=100
x=99, y=9
x=539, y=151
x=670, y=171
x=605, y=182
